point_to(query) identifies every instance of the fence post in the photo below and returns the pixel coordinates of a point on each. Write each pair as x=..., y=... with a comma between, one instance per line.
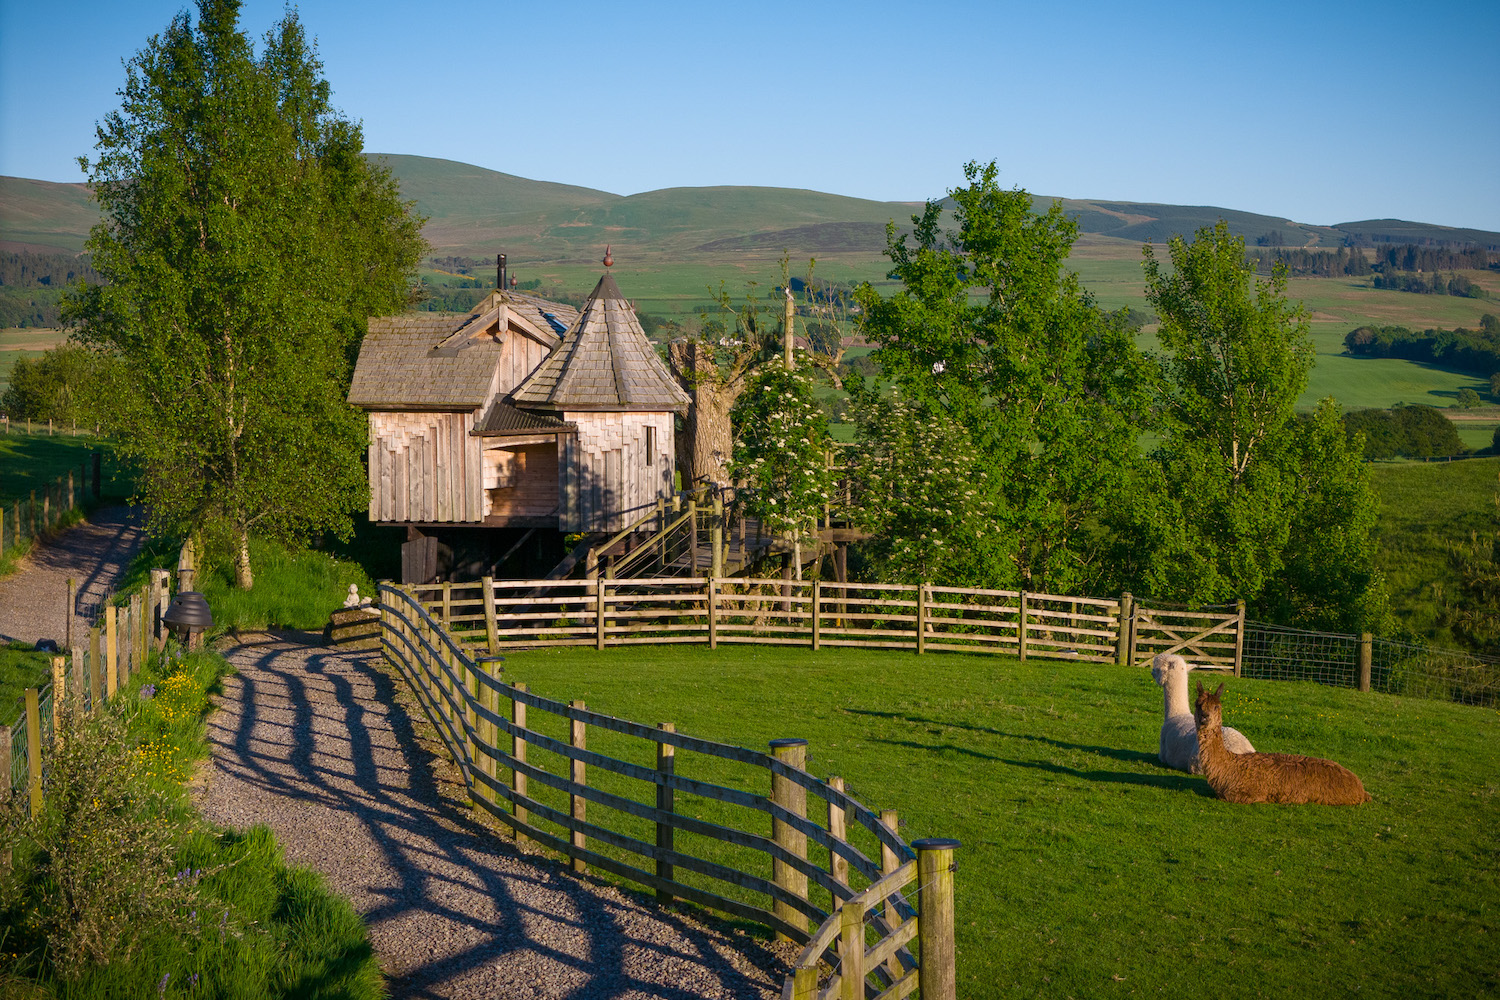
x=491, y=621
x=922, y=618
x=158, y=605
x=937, y=978
x=792, y=797
x=1135, y=614
x=68, y=617
x=77, y=677
x=447, y=604
x=1239, y=638
x=666, y=804
x=888, y=864
x=713, y=612
x=70, y=488
x=31, y=514
x=817, y=613
x=1122, y=631
x=1366, y=659
x=59, y=686
x=599, y=613
x=46, y=509
x=186, y=560
x=852, y=951
x=98, y=472
x=805, y=984
x=1021, y=624
x=34, y=749
x=111, y=652
x=579, y=741
x=95, y=660
x=470, y=677
x=716, y=540
x=838, y=831
x=692, y=521
x=139, y=632
x=518, y=754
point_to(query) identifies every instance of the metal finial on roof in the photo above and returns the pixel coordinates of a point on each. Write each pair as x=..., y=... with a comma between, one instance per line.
x=608, y=260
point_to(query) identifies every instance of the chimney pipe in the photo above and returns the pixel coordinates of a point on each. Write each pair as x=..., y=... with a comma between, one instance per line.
x=500, y=271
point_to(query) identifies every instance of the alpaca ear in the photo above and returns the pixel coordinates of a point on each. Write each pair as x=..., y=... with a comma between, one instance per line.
x=1220, y=691
x=1200, y=687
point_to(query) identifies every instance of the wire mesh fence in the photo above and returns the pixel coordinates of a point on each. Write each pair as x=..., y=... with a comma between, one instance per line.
x=1274, y=652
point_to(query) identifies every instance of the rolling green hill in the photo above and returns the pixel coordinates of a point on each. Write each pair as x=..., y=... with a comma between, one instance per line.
x=473, y=210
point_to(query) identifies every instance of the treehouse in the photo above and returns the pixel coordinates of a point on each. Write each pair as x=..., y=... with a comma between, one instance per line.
x=523, y=413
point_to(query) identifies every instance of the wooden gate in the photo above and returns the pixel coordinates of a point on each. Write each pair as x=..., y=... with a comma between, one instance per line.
x=1211, y=639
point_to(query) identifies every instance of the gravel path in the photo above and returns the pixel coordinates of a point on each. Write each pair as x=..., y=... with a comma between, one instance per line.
x=95, y=553
x=320, y=745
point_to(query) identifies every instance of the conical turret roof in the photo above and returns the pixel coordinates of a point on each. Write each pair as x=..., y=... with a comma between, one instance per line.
x=604, y=362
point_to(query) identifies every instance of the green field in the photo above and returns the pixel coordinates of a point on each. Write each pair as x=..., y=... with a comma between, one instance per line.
x=1089, y=870
x=1425, y=509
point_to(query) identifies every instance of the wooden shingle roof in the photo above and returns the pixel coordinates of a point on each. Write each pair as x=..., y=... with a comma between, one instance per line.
x=437, y=361
x=505, y=420
x=604, y=362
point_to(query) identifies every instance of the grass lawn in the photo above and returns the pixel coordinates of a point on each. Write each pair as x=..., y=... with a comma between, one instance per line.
x=1424, y=509
x=1089, y=870
x=33, y=461
x=20, y=668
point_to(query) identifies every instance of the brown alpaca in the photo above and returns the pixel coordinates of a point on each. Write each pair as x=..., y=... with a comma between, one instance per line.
x=1286, y=778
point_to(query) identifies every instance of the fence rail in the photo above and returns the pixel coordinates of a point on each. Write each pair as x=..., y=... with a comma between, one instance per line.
x=37, y=516
x=743, y=832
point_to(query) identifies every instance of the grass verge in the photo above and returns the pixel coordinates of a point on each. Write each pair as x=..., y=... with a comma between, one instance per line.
x=120, y=890
x=1088, y=869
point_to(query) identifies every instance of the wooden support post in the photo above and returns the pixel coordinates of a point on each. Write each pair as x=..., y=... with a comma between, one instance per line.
x=77, y=680
x=60, y=687
x=471, y=717
x=579, y=741
x=712, y=587
x=1122, y=630
x=161, y=598
x=31, y=514
x=96, y=662
x=888, y=864
x=817, y=615
x=46, y=510
x=68, y=614
x=1239, y=638
x=447, y=604
x=852, y=951
x=1021, y=624
x=805, y=984
x=716, y=540
x=666, y=805
x=518, y=754
x=599, y=614
x=922, y=618
x=34, y=749
x=186, y=566
x=140, y=633
x=838, y=830
x=792, y=797
x=1366, y=659
x=1135, y=614
x=692, y=521
x=111, y=652
x=491, y=622
x=937, y=978
x=71, y=503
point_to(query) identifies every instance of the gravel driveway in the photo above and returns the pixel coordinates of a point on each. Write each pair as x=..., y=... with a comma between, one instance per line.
x=321, y=746
x=95, y=553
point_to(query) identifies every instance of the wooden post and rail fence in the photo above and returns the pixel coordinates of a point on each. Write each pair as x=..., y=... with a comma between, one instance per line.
x=518, y=614
x=744, y=832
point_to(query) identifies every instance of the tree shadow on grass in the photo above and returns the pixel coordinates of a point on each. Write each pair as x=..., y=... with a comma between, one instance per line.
x=1114, y=753
x=332, y=759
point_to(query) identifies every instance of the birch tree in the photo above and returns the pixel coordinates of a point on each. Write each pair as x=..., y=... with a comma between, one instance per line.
x=244, y=242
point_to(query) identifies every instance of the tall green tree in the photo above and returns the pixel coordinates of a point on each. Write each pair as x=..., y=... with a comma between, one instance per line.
x=1248, y=501
x=245, y=241
x=992, y=332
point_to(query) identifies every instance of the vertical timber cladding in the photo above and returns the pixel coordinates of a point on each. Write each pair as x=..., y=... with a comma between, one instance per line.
x=608, y=481
x=521, y=477
x=425, y=467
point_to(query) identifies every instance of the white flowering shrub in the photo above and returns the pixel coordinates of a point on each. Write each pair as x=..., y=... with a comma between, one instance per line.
x=781, y=442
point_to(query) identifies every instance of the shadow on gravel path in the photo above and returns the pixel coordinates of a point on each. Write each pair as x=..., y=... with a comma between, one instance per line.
x=95, y=553
x=318, y=745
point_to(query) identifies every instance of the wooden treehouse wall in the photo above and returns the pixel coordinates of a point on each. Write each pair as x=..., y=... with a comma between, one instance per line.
x=606, y=477
x=425, y=467
x=520, y=479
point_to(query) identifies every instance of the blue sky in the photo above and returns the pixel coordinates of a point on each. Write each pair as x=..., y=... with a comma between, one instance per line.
x=1322, y=112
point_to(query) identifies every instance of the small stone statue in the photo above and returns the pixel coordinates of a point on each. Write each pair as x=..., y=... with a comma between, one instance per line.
x=353, y=601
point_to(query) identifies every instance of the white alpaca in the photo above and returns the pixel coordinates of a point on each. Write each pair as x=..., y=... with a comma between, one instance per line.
x=1179, y=733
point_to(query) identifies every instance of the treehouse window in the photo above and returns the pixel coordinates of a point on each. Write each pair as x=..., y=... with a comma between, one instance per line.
x=650, y=445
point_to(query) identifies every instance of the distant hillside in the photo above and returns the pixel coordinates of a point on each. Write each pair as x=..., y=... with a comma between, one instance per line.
x=472, y=210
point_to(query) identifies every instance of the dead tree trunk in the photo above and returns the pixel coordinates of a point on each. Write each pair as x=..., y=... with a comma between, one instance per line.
x=707, y=442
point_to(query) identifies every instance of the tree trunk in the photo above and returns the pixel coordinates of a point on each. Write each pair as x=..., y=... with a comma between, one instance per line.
x=243, y=578
x=707, y=442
